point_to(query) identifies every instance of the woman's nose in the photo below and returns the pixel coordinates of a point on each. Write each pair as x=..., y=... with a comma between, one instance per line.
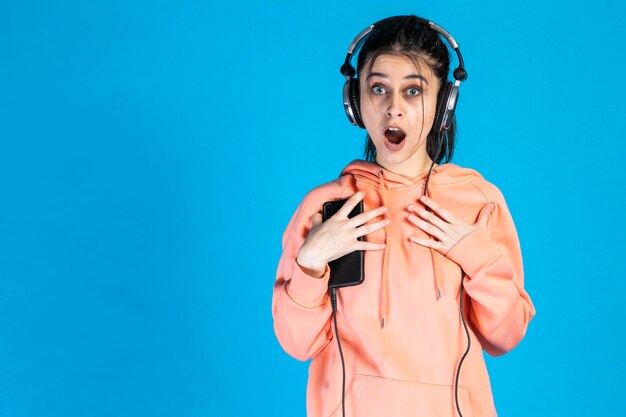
x=395, y=108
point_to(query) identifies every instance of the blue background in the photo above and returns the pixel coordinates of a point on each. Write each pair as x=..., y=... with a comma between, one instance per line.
x=152, y=153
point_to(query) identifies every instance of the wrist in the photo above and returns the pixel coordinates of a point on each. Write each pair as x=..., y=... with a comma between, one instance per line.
x=316, y=271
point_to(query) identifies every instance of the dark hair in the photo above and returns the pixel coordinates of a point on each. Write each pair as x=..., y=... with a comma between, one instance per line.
x=408, y=36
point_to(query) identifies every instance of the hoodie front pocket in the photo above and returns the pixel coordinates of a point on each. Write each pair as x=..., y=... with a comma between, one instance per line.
x=383, y=397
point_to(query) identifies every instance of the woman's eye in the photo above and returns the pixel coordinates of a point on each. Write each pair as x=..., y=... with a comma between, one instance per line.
x=377, y=89
x=413, y=91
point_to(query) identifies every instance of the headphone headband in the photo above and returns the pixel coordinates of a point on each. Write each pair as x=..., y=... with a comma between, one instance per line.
x=358, y=41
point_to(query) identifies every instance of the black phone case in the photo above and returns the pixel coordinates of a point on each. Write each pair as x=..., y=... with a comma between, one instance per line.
x=347, y=270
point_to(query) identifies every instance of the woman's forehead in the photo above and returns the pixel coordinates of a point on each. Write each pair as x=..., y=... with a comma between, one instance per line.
x=398, y=64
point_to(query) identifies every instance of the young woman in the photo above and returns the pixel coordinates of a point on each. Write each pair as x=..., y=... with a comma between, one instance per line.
x=439, y=240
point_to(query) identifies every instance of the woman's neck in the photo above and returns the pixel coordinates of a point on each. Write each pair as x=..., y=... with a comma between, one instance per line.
x=410, y=168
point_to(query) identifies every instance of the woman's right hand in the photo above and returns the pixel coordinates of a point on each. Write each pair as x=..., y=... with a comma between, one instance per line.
x=337, y=236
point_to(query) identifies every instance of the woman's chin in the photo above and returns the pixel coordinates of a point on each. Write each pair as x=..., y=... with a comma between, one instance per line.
x=390, y=160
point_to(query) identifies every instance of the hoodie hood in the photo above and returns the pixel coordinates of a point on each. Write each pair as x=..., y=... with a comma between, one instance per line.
x=369, y=172
x=391, y=186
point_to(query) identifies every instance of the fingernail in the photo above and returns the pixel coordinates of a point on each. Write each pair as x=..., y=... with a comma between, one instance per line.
x=411, y=207
x=490, y=207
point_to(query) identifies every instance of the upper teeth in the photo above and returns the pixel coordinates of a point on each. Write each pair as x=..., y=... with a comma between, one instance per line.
x=394, y=129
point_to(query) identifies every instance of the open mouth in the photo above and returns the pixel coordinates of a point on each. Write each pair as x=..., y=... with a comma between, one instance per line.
x=395, y=135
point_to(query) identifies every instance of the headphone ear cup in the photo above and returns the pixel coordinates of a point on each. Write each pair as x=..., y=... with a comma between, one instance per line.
x=355, y=101
x=442, y=102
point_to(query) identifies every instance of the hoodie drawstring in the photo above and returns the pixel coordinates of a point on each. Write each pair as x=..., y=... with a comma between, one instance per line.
x=384, y=285
x=433, y=253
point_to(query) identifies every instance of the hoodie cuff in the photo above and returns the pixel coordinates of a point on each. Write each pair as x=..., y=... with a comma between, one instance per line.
x=474, y=252
x=308, y=291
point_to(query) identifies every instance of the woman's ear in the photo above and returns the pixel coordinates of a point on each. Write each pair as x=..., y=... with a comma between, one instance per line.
x=355, y=101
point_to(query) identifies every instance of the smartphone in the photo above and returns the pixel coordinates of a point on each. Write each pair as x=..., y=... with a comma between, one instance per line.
x=347, y=270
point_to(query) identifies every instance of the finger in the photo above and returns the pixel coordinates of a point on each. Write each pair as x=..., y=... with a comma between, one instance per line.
x=438, y=246
x=483, y=216
x=359, y=245
x=369, y=228
x=316, y=219
x=427, y=227
x=429, y=217
x=349, y=205
x=363, y=218
x=437, y=208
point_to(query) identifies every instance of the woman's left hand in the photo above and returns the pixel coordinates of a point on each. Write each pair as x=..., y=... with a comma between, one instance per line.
x=442, y=225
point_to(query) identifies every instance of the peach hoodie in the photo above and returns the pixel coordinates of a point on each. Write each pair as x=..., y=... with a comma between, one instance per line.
x=407, y=366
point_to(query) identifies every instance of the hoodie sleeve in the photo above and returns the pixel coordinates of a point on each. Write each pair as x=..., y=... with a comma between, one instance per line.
x=300, y=303
x=492, y=261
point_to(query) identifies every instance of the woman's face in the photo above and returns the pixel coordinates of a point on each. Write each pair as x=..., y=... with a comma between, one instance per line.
x=398, y=104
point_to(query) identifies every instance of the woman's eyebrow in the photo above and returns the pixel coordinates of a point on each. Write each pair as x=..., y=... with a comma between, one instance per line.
x=411, y=76
x=417, y=76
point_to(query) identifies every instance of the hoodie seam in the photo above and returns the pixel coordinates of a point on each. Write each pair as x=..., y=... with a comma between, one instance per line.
x=324, y=299
x=343, y=195
x=486, y=201
x=480, y=191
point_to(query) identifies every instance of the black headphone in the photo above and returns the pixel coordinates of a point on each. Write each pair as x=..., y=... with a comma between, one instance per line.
x=448, y=94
